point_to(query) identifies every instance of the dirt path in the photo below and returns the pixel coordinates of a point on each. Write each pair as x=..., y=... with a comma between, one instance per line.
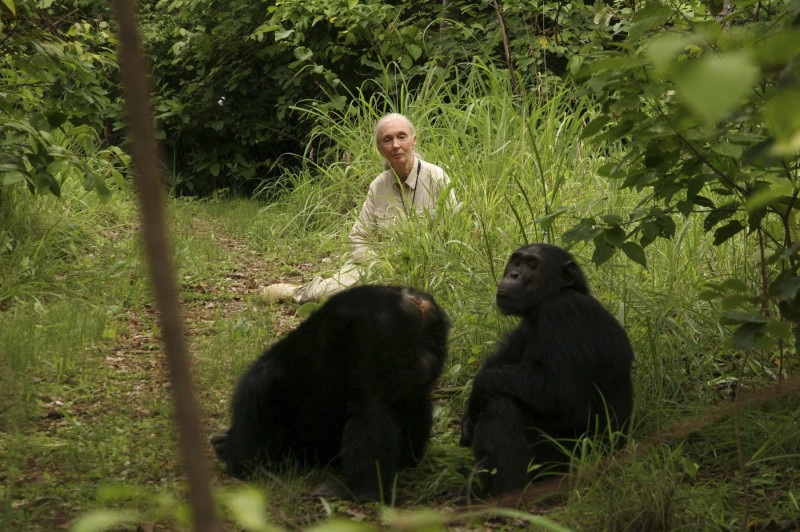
x=203, y=302
x=133, y=385
x=209, y=300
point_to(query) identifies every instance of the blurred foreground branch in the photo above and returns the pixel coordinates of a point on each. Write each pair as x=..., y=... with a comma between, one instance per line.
x=144, y=152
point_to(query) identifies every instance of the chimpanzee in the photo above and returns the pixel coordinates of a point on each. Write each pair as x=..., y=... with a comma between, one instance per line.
x=564, y=372
x=350, y=386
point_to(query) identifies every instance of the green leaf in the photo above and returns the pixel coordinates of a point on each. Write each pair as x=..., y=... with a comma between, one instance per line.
x=703, y=201
x=734, y=285
x=769, y=194
x=302, y=53
x=55, y=118
x=104, y=520
x=282, y=34
x=719, y=214
x=11, y=178
x=727, y=231
x=708, y=295
x=786, y=253
x=780, y=330
x=649, y=231
x=342, y=525
x=745, y=336
x=615, y=132
x=247, y=508
x=550, y=217
x=790, y=310
x=733, y=317
x=11, y=7
x=664, y=49
x=714, y=85
x=778, y=48
x=338, y=101
x=736, y=301
x=690, y=468
x=352, y=3
x=45, y=182
x=782, y=113
x=595, y=126
x=611, y=170
x=602, y=253
x=635, y=252
x=581, y=232
x=785, y=287
x=728, y=149
x=615, y=236
x=306, y=309
x=575, y=64
x=652, y=16
x=685, y=207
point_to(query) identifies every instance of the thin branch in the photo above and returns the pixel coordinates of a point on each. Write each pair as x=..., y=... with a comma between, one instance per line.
x=144, y=152
x=737, y=427
x=506, y=48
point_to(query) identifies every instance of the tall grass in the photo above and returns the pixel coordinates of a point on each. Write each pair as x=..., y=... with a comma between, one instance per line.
x=522, y=174
x=54, y=250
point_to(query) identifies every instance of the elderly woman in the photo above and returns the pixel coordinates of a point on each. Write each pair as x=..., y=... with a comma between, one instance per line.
x=409, y=185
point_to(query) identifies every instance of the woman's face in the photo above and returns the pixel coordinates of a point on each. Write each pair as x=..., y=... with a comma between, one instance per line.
x=396, y=143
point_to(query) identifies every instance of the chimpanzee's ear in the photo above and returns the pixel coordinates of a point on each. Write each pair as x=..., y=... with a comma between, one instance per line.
x=570, y=274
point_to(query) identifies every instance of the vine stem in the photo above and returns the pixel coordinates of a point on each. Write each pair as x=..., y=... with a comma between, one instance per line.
x=737, y=424
x=506, y=48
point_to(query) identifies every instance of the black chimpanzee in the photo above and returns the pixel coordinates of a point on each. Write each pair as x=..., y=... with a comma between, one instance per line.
x=564, y=372
x=351, y=386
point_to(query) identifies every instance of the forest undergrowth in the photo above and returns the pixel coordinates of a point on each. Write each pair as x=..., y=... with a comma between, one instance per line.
x=87, y=425
x=87, y=438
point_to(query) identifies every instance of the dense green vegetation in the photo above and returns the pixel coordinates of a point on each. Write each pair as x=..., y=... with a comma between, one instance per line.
x=664, y=153
x=229, y=74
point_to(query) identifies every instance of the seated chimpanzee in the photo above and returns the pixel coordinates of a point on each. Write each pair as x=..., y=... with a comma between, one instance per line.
x=350, y=386
x=563, y=373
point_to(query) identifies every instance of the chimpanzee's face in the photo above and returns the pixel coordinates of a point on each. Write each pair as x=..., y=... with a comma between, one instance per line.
x=534, y=275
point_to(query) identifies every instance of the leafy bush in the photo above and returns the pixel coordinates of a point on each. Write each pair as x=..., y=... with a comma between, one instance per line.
x=228, y=75
x=709, y=115
x=55, y=67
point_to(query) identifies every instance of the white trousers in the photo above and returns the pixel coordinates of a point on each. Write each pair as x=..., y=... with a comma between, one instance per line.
x=320, y=287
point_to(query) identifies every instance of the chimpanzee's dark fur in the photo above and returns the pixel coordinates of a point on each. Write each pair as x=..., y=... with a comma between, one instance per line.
x=350, y=386
x=564, y=372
